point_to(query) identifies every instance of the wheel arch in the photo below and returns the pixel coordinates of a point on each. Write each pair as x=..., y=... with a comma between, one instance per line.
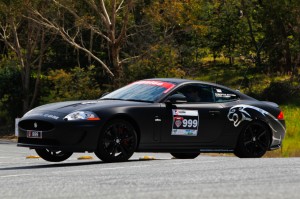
x=265, y=121
x=260, y=120
x=129, y=119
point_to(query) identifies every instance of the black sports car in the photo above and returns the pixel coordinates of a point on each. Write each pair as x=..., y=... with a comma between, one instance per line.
x=182, y=117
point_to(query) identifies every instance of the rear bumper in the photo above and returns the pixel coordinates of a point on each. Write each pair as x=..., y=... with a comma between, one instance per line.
x=278, y=133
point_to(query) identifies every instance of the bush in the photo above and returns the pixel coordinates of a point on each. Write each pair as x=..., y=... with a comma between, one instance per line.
x=281, y=92
x=76, y=84
x=10, y=89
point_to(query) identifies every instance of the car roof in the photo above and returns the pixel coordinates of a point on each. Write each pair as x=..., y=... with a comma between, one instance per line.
x=178, y=81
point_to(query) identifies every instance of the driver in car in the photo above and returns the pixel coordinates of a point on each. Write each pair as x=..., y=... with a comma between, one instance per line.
x=193, y=95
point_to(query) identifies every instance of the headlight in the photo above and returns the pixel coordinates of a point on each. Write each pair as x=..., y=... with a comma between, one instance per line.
x=81, y=115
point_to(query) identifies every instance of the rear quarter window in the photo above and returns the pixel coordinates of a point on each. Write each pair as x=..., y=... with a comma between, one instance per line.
x=223, y=95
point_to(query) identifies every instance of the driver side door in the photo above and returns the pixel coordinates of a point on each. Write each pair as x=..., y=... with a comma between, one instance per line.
x=198, y=120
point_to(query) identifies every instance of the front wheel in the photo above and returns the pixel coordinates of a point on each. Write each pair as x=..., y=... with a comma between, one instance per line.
x=185, y=155
x=117, y=141
x=53, y=155
x=254, y=141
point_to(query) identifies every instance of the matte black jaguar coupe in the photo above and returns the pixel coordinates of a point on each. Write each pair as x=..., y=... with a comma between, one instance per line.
x=178, y=116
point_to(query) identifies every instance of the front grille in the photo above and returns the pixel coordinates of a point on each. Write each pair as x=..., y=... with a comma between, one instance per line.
x=36, y=125
x=49, y=142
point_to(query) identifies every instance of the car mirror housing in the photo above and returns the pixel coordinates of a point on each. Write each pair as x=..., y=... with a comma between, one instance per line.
x=176, y=98
x=104, y=94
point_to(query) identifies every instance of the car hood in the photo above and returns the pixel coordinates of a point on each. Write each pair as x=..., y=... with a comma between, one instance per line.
x=90, y=105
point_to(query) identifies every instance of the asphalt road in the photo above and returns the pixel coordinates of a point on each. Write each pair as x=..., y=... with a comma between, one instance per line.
x=203, y=177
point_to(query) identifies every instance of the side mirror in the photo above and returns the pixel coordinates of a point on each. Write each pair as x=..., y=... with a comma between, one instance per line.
x=104, y=94
x=176, y=98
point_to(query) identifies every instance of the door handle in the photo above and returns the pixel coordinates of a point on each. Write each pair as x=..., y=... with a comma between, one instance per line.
x=213, y=113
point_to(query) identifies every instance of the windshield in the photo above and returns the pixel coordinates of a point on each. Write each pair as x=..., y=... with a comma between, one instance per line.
x=146, y=90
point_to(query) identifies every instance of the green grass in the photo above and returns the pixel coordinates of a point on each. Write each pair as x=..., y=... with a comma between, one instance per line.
x=291, y=142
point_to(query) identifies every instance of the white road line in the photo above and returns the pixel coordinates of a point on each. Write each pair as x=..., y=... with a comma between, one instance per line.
x=113, y=168
x=85, y=170
x=102, y=169
x=108, y=168
x=140, y=166
x=17, y=175
x=193, y=162
x=12, y=158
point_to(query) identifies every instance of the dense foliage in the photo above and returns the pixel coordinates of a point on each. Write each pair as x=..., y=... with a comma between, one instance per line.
x=65, y=49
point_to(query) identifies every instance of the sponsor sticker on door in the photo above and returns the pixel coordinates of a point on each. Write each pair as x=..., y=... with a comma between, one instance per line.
x=185, y=122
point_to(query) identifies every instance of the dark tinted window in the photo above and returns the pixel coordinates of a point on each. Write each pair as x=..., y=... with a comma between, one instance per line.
x=223, y=95
x=197, y=93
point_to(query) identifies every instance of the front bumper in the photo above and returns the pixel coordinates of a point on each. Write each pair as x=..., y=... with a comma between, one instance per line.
x=71, y=136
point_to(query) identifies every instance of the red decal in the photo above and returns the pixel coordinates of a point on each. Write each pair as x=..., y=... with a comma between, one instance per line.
x=178, y=118
x=178, y=123
x=166, y=85
x=170, y=86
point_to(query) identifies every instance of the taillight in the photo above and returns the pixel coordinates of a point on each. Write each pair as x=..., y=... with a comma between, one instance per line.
x=280, y=116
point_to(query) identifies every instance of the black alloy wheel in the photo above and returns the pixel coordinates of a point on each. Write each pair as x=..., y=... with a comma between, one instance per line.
x=117, y=141
x=254, y=141
x=185, y=155
x=53, y=155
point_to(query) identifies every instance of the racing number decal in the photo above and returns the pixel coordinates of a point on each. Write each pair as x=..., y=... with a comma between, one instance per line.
x=185, y=122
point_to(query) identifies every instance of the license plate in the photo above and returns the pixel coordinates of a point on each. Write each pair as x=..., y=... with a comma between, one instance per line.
x=34, y=134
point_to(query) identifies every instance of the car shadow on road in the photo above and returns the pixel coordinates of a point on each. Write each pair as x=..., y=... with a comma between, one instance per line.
x=71, y=164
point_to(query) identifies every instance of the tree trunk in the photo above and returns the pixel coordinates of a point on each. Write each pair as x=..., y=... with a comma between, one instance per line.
x=287, y=51
x=254, y=42
x=117, y=66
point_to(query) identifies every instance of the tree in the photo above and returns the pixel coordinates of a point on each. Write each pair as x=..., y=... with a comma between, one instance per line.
x=178, y=30
x=107, y=21
x=27, y=43
x=281, y=21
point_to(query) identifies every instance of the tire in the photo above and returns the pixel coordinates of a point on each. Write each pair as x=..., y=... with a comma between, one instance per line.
x=117, y=141
x=185, y=155
x=52, y=155
x=254, y=141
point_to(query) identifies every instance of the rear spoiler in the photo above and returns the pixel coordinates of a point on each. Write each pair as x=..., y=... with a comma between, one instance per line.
x=271, y=103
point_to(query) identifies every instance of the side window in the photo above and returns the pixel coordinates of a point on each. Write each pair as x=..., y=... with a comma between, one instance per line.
x=223, y=95
x=197, y=93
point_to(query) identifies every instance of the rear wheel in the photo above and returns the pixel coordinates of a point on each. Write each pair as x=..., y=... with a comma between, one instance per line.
x=185, y=155
x=117, y=141
x=254, y=141
x=53, y=155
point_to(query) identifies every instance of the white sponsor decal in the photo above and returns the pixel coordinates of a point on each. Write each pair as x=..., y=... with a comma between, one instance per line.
x=45, y=115
x=185, y=122
x=51, y=116
x=223, y=95
x=237, y=114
